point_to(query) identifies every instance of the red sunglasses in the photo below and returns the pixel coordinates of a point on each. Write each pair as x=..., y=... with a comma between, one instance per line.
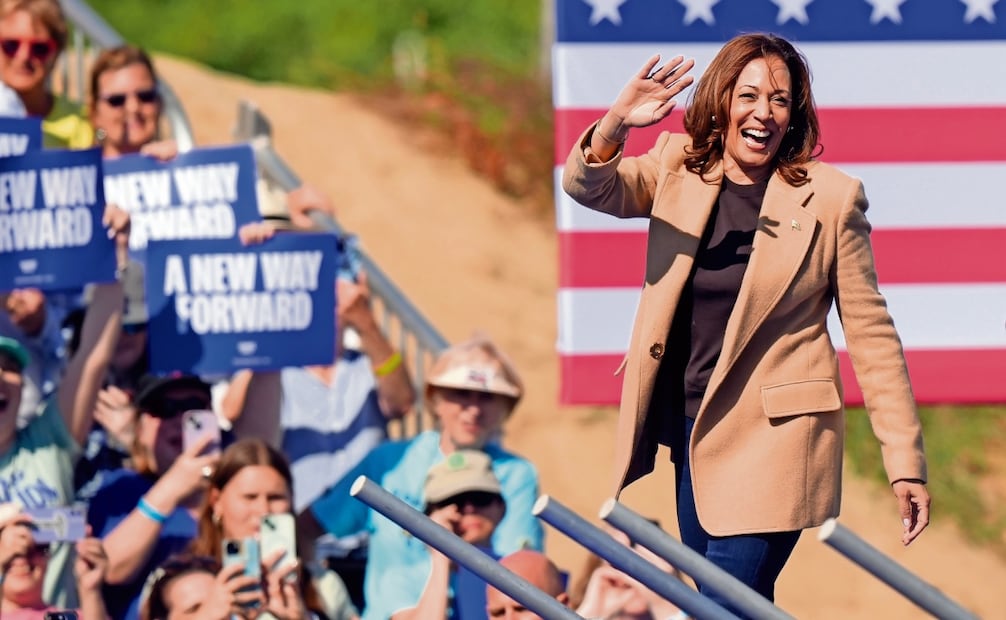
x=39, y=49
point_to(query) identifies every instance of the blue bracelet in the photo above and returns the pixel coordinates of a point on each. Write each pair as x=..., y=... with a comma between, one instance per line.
x=150, y=512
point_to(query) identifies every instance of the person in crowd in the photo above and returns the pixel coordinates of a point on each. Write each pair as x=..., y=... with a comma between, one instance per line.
x=195, y=587
x=463, y=495
x=36, y=462
x=35, y=319
x=603, y=591
x=23, y=563
x=539, y=571
x=472, y=389
x=252, y=480
x=149, y=511
x=332, y=415
x=731, y=363
x=33, y=33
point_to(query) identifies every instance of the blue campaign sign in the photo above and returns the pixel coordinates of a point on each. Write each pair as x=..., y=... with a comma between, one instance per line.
x=19, y=135
x=51, y=235
x=206, y=193
x=217, y=306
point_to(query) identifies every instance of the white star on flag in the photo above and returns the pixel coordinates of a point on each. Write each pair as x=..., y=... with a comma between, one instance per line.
x=699, y=9
x=605, y=9
x=885, y=8
x=792, y=9
x=979, y=8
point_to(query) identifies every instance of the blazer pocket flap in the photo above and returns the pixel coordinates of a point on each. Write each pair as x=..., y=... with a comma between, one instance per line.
x=799, y=397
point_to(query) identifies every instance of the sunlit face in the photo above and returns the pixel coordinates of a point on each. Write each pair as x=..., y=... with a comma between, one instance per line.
x=26, y=309
x=127, y=108
x=760, y=107
x=479, y=513
x=183, y=596
x=24, y=577
x=500, y=606
x=255, y=491
x=25, y=66
x=468, y=418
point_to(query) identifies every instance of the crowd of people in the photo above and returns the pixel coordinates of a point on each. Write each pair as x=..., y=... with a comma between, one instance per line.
x=173, y=527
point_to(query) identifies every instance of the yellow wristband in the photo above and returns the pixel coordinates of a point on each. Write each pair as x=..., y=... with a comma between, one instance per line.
x=389, y=365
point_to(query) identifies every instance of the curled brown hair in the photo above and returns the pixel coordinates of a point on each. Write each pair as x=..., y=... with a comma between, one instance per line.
x=115, y=58
x=711, y=101
x=152, y=603
x=46, y=11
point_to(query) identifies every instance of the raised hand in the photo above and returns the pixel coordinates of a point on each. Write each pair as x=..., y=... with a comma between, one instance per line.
x=649, y=96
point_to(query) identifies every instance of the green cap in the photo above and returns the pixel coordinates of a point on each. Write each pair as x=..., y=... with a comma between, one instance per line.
x=13, y=348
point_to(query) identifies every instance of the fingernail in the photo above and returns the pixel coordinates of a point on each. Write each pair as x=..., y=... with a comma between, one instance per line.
x=111, y=233
x=905, y=522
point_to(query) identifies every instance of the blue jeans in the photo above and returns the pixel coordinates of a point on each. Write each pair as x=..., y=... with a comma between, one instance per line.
x=755, y=559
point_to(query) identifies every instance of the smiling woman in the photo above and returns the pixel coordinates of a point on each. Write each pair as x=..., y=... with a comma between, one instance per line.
x=32, y=35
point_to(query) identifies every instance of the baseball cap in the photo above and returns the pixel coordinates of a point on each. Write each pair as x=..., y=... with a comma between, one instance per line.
x=478, y=365
x=151, y=388
x=13, y=348
x=463, y=471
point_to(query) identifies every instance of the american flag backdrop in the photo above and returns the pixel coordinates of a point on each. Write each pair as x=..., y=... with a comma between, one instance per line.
x=912, y=99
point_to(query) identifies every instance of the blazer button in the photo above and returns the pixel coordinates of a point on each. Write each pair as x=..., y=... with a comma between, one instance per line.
x=657, y=351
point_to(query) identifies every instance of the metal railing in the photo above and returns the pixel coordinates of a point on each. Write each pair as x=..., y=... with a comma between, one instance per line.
x=416, y=338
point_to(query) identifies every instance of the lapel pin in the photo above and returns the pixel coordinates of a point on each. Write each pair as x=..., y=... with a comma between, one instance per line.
x=795, y=225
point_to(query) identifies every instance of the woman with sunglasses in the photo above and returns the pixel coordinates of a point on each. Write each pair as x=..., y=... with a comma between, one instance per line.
x=125, y=105
x=23, y=564
x=149, y=511
x=32, y=35
x=253, y=480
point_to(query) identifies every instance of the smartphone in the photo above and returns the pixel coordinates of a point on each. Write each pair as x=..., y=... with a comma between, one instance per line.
x=62, y=614
x=199, y=423
x=57, y=523
x=244, y=551
x=277, y=532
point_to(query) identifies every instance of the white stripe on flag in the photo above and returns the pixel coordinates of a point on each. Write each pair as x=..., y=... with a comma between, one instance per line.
x=944, y=316
x=590, y=75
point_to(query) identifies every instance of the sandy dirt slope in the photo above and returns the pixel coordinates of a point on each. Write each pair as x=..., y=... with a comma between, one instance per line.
x=471, y=258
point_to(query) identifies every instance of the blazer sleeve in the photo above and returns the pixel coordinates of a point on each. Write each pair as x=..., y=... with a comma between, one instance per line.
x=874, y=345
x=622, y=186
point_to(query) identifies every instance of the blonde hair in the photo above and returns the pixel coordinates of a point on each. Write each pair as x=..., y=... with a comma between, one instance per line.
x=48, y=12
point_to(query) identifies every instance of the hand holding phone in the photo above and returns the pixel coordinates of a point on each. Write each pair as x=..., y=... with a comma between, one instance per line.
x=197, y=424
x=57, y=524
x=244, y=551
x=277, y=535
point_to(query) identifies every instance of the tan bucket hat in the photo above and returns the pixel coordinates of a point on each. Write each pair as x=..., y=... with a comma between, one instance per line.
x=463, y=471
x=477, y=365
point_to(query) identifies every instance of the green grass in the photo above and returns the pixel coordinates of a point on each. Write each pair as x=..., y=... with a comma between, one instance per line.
x=966, y=487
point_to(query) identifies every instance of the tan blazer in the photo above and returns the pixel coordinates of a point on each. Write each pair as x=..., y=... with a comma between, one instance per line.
x=766, y=449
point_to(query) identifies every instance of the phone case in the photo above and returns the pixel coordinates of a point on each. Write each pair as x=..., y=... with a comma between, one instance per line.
x=58, y=523
x=197, y=424
x=243, y=551
x=277, y=532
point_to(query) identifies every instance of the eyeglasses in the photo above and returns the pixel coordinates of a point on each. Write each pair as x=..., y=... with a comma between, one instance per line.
x=118, y=100
x=39, y=49
x=475, y=499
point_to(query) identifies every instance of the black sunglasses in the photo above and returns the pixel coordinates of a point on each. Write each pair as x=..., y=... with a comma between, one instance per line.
x=476, y=499
x=119, y=99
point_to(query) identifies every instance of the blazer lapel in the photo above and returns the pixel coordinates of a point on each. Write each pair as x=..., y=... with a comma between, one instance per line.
x=784, y=234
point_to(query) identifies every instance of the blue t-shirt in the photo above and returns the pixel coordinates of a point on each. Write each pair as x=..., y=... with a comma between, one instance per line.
x=401, y=467
x=468, y=591
x=119, y=493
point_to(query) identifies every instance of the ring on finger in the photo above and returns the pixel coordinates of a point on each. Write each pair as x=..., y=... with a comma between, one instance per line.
x=207, y=471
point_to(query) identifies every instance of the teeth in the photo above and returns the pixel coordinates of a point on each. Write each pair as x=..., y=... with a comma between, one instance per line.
x=758, y=133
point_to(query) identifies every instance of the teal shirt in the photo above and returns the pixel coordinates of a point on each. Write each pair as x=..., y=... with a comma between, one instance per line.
x=38, y=472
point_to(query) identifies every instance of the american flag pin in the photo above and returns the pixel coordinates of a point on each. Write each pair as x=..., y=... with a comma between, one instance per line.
x=795, y=225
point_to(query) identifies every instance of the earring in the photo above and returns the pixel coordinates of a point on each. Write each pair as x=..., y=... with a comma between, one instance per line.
x=713, y=118
x=215, y=518
x=100, y=135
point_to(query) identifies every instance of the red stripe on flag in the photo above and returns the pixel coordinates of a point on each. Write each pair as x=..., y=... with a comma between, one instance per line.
x=850, y=135
x=926, y=256
x=938, y=377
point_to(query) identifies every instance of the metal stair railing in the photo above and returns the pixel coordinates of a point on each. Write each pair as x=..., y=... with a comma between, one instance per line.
x=415, y=336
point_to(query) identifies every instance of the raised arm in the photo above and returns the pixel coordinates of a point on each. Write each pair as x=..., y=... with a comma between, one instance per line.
x=395, y=393
x=78, y=389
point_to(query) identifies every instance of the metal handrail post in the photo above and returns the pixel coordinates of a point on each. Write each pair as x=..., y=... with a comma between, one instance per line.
x=846, y=542
x=679, y=555
x=628, y=561
x=425, y=529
